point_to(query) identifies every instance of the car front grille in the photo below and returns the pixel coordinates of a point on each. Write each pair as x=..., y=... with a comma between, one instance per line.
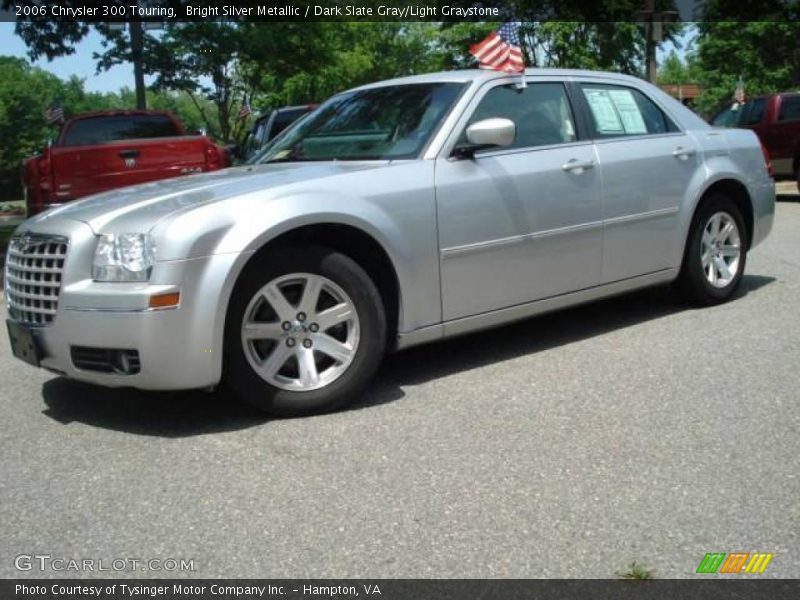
x=33, y=277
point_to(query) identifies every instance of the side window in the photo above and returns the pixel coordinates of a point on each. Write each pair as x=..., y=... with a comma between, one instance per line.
x=540, y=111
x=790, y=108
x=728, y=117
x=622, y=111
x=753, y=112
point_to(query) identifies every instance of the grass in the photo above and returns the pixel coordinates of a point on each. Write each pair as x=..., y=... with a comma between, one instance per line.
x=637, y=571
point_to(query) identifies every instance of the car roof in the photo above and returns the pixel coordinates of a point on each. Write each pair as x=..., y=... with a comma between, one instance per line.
x=470, y=75
x=118, y=112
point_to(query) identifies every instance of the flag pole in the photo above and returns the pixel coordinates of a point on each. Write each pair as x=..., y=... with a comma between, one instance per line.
x=522, y=83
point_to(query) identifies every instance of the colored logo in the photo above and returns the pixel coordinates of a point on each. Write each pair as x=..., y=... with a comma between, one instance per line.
x=735, y=562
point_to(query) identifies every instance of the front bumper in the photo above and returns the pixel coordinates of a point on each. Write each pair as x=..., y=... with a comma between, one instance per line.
x=179, y=348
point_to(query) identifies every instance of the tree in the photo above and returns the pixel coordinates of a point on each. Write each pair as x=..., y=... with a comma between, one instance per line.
x=52, y=38
x=764, y=53
x=25, y=93
x=203, y=60
x=587, y=45
x=299, y=63
x=675, y=71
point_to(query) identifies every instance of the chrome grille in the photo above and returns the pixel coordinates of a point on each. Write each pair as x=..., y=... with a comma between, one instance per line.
x=33, y=277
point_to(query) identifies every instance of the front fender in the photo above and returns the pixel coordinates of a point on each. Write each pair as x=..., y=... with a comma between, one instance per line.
x=396, y=209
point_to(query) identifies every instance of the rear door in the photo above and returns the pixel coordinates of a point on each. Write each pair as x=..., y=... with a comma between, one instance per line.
x=646, y=163
x=111, y=151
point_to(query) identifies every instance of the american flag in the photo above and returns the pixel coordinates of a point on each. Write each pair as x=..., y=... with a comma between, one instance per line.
x=245, y=110
x=500, y=50
x=54, y=113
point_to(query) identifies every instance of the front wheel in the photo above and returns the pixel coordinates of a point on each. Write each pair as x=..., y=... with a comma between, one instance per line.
x=305, y=333
x=716, y=252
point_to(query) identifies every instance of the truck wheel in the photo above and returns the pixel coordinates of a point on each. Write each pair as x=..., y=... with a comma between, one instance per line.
x=305, y=332
x=715, y=254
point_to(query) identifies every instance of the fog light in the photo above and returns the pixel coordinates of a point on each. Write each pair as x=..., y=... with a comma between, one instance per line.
x=165, y=300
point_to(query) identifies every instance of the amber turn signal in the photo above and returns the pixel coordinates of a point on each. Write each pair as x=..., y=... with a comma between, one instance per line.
x=165, y=300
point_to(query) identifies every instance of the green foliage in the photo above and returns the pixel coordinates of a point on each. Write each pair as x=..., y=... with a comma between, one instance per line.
x=581, y=45
x=298, y=65
x=190, y=54
x=25, y=92
x=673, y=70
x=765, y=54
x=637, y=571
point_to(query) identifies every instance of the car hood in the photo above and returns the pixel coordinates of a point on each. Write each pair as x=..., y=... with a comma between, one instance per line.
x=138, y=208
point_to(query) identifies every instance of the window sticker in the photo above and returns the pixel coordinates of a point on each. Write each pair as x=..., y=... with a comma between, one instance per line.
x=605, y=115
x=628, y=111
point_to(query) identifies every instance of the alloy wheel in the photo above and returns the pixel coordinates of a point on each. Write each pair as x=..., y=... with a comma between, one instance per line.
x=720, y=249
x=300, y=332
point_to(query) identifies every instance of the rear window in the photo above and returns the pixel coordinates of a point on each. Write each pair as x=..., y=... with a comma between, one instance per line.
x=741, y=115
x=790, y=108
x=753, y=112
x=102, y=129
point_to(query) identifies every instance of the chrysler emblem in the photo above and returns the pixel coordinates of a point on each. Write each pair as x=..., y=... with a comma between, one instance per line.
x=22, y=243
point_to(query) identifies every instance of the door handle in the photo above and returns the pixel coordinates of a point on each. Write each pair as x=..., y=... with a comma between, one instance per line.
x=577, y=166
x=683, y=153
x=128, y=153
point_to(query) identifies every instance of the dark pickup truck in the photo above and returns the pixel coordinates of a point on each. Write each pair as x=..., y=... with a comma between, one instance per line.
x=775, y=118
x=99, y=151
x=269, y=125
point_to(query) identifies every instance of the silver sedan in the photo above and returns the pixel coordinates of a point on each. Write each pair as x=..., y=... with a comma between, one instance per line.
x=396, y=214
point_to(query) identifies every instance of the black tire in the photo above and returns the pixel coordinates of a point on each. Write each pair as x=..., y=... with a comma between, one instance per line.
x=692, y=281
x=241, y=377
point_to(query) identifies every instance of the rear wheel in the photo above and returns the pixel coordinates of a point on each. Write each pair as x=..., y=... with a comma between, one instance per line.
x=716, y=252
x=305, y=333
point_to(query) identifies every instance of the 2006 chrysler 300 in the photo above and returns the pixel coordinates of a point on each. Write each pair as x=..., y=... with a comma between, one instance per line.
x=395, y=214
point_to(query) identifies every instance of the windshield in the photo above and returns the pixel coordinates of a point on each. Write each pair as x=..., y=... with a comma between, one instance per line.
x=385, y=123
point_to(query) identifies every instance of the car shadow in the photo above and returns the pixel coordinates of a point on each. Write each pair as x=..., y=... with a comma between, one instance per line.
x=420, y=364
x=191, y=413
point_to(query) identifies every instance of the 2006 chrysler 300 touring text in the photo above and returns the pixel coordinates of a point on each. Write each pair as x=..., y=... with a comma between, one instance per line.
x=397, y=213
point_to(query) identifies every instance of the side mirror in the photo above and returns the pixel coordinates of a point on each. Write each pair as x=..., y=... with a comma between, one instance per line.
x=488, y=133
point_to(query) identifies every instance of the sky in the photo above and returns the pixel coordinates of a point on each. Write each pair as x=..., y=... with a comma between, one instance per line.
x=83, y=65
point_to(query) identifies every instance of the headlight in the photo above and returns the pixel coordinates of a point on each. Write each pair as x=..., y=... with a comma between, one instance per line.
x=124, y=257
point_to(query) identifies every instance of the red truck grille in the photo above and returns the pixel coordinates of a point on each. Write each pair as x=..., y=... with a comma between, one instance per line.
x=33, y=277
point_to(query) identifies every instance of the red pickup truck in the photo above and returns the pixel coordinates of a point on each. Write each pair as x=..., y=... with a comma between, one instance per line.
x=99, y=151
x=775, y=118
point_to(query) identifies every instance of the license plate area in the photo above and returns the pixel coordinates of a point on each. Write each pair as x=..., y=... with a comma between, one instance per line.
x=24, y=344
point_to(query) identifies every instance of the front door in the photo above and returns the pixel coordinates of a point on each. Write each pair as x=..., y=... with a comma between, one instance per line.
x=523, y=222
